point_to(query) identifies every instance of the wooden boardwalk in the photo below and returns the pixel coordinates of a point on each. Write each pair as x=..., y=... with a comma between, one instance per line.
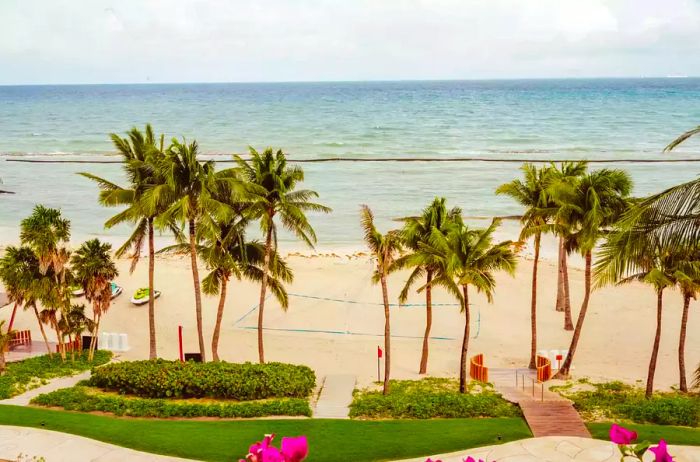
x=546, y=413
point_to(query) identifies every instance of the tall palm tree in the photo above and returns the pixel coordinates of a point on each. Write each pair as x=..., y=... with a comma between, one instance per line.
x=94, y=270
x=566, y=173
x=5, y=338
x=468, y=257
x=141, y=153
x=687, y=275
x=19, y=273
x=594, y=204
x=271, y=187
x=385, y=248
x=415, y=234
x=533, y=194
x=47, y=234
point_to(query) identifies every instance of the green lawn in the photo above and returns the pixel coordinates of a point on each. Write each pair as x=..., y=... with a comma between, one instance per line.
x=653, y=433
x=329, y=440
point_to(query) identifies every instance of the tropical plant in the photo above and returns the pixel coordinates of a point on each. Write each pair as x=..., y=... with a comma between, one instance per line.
x=73, y=323
x=687, y=275
x=468, y=257
x=47, y=233
x=20, y=275
x=5, y=338
x=271, y=190
x=593, y=204
x=141, y=153
x=415, y=234
x=567, y=173
x=94, y=270
x=532, y=193
x=385, y=248
x=656, y=267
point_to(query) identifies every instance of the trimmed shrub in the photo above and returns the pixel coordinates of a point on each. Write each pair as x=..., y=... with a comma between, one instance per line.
x=83, y=399
x=30, y=373
x=174, y=379
x=430, y=398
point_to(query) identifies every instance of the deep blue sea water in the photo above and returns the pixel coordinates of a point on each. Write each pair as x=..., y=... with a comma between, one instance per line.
x=620, y=119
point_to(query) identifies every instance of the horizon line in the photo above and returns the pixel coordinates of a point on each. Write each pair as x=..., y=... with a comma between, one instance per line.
x=245, y=82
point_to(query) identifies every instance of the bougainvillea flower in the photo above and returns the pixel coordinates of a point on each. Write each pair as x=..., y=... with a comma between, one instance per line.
x=431, y=460
x=294, y=449
x=621, y=435
x=661, y=452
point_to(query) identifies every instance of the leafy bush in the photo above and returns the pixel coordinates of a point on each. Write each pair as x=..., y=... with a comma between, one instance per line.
x=83, y=399
x=30, y=373
x=430, y=398
x=174, y=379
x=616, y=400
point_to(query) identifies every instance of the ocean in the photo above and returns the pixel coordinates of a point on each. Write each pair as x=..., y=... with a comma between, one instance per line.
x=471, y=137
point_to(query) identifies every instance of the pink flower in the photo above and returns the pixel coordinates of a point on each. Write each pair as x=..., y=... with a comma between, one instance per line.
x=431, y=460
x=661, y=452
x=471, y=459
x=295, y=449
x=621, y=435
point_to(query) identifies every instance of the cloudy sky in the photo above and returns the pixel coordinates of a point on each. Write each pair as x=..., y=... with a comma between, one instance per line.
x=98, y=41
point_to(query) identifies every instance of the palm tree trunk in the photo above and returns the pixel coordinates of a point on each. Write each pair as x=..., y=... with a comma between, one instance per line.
x=93, y=341
x=533, y=305
x=563, y=372
x=465, y=344
x=568, y=322
x=263, y=290
x=152, y=349
x=387, y=335
x=72, y=348
x=2, y=361
x=197, y=290
x=657, y=341
x=59, y=337
x=219, y=317
x=428, y=322
x=681, y=343
x=560, y=276
x=43, y=333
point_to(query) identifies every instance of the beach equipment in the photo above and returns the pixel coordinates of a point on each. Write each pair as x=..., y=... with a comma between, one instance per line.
x=141, y=296
x=116, y=290
x=114, y=341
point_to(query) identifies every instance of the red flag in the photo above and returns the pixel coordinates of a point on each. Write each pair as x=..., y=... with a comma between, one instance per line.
x=379, y=352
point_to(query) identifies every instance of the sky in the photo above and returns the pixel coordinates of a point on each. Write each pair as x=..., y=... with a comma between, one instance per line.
x=134, y=41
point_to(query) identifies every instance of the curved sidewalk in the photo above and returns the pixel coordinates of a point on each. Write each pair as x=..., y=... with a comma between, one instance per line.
x=59, y=447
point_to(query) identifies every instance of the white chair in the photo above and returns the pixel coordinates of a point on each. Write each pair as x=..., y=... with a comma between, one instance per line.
x=105, y=341
x=123, y=342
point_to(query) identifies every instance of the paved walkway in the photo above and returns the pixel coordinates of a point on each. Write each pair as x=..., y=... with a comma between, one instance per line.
x=53, y=385
x=546, y=413
x=557, y=449
x=336, y=396
x=60, y=447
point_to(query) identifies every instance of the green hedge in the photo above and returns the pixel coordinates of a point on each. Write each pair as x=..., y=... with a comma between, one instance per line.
x=221, y=380
x=615, y=400
x=23, y=375
x=80, y=398
x=430, y=398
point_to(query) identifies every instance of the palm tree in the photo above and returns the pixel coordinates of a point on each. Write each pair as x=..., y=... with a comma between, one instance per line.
x=656, y=267
x=19, y=273
x=5, y=338
x=566, y=173
x=468, y=257
x=385, y=248
x=141, y=153
x=687, y=275
x=594, y=204
x=73, y=323
x=271, y=185
x=94, y=269
x=532, y=193
x=415, y=234
x=47, y=233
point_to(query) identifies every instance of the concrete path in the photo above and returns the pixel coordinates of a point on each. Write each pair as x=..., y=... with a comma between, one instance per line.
x=557, y=449
x=53, y=385
x=336, y=396
x=60, y=447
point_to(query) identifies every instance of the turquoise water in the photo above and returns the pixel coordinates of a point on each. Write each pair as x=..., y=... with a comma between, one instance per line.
x=534, y=119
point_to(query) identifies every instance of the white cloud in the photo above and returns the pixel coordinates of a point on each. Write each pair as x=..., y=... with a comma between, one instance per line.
x=270, y=40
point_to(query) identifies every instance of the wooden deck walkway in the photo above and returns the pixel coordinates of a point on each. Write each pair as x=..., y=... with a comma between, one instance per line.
x=546, y=413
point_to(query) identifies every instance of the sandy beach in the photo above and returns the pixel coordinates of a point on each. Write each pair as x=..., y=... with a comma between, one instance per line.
x=335, y=322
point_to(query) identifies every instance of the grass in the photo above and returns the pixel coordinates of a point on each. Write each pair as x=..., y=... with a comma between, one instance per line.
x=652, y=433
x=431, y=398
x=30, y=373
x=227, y=440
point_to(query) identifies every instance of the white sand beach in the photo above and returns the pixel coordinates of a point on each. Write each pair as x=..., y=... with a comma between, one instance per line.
x=337, y=336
